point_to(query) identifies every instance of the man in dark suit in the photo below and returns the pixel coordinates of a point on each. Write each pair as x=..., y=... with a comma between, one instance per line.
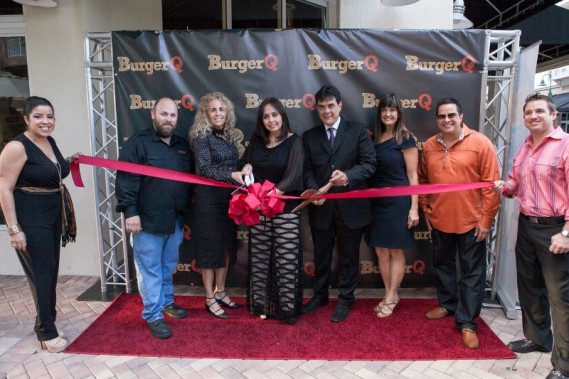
x=339, y=152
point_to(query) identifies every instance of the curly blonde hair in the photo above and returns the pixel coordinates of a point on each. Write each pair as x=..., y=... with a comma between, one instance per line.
x=202, y=125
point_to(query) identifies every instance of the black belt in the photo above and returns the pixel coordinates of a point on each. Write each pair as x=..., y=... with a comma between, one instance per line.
x=555, y=220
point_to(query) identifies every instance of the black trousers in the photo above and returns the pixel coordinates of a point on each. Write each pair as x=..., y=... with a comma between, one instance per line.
x=461, y=295
x=348, y=258
x=40, y=218
x=543, y=290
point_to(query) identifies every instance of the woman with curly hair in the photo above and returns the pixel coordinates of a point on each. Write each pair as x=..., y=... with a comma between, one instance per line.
x=214, y=141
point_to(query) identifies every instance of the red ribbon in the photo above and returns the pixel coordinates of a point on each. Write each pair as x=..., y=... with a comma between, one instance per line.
x=134, y=168
x=243, y=206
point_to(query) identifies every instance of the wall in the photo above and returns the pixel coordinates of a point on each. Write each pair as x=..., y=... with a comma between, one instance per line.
x=425, y=14
x=55, y=47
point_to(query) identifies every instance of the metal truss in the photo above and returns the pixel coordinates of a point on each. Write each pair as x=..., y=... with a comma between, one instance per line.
x=114, y=260
x=500, y=62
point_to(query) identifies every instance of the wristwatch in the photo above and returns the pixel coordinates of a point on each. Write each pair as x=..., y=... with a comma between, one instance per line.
x=565, y=233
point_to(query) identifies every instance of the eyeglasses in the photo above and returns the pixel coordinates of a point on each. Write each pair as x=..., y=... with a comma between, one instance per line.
x=442, y=117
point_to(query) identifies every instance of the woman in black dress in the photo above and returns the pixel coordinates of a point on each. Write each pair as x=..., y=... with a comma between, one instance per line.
x=31, y=170
x=214, y=142
x=393, y=217
x=275, y=154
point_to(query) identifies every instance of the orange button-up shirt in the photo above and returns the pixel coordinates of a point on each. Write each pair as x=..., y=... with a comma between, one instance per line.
x=471, y=159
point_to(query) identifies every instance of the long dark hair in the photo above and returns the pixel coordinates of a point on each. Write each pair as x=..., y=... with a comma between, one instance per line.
x=260, y=127
x=400, y=132
x=35, y=101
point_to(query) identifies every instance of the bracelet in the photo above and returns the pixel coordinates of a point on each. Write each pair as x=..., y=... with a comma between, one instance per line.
x=14, y=229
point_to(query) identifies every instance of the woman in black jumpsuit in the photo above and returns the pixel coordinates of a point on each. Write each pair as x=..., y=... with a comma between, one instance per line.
x=31, y=169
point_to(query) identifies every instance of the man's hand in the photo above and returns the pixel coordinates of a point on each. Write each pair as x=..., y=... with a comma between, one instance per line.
x=559, y=244
x=501, y=187
x=321, y=191
x=481, y=233
x=133, y=225
x=339, y=178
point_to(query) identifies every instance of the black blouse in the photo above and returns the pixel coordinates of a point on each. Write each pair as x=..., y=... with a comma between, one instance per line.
x=281, y=165
x=216, y=158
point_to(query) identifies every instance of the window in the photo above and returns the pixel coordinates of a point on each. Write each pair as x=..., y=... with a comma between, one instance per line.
x=564, y=121
x=16, y=47
x=243, y=14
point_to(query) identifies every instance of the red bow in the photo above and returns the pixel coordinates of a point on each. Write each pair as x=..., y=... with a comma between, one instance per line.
x=243, y=206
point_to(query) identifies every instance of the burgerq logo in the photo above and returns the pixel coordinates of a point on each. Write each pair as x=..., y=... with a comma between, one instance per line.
x=269, y=62
x=466, y=64
x=423, y=101
x=370, y=62
x=175, y=63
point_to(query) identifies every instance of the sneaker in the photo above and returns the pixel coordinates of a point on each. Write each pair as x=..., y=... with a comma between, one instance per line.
x=174, y=310
x=159, y=329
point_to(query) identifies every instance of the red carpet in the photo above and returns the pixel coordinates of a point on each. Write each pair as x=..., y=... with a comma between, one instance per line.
x=405, y=336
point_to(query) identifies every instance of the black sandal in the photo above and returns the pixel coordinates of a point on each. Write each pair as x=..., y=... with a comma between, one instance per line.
x=225, y=301
x=219, y=313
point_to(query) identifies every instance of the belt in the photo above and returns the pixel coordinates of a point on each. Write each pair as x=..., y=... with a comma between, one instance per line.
x=555, y=220
x=37, y=189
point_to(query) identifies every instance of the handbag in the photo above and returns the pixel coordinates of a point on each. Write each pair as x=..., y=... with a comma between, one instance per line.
x=69, y=224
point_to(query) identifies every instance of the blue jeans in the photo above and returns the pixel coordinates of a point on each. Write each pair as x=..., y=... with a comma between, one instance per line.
x=156, y=257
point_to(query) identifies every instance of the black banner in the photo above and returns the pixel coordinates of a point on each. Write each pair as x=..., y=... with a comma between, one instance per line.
x=248, y=66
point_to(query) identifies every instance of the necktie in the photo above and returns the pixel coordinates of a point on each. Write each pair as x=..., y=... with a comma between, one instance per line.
x=331, y=131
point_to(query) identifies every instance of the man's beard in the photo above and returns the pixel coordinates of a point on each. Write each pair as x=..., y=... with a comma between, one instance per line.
x=164, y=132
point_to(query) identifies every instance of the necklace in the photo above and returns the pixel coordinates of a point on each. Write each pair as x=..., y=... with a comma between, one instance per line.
x=273, y=142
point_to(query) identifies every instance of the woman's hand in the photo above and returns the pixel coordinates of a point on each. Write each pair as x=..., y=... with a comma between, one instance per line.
x=238, y=177
x=247, y=169
x=73, y=157
x=413, y=218
x=18, y=241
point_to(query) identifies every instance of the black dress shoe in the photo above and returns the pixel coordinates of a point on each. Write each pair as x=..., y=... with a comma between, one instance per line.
x=159, y=329
x=174, y=310
x=225, y=301
x=313, y=304
x=526, y=346
x=557, y=374
x=341, y=312
x=219, y=313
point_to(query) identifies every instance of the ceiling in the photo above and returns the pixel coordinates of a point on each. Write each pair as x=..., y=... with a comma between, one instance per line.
x=539, y=20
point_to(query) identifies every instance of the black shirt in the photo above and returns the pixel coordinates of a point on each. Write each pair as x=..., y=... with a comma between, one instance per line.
x=158, y=202
x=282, y=165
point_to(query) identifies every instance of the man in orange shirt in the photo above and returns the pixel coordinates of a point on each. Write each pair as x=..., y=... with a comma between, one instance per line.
x=459, y=222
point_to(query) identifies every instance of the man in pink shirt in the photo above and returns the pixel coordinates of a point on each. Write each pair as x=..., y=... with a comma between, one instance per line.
x=460, y=221
x=540, y=180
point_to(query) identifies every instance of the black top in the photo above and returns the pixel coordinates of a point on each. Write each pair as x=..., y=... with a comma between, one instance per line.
x=282, y=165
x=39, y=170
x=216, y=158
x=158, y=202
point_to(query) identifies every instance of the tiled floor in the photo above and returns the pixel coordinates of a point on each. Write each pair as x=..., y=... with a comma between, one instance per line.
x=20, y=356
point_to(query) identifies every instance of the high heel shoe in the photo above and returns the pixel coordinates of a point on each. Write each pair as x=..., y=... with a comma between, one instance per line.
x=388, y=308
x=219, y=313
x=379, y=306
x=56, y=345
x=225, y=301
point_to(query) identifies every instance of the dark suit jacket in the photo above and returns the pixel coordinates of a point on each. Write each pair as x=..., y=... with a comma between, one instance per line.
x=354, y=154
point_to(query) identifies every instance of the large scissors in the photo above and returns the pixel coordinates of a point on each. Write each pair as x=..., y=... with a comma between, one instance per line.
x=311, y=194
